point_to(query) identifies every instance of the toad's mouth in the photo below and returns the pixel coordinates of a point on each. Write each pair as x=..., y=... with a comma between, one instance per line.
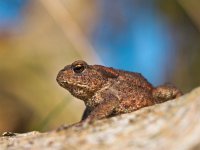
x=70, y=86
x=60, y=80
x=63, y=84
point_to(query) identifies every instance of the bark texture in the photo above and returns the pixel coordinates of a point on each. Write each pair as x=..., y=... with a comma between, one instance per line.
x=171, y=125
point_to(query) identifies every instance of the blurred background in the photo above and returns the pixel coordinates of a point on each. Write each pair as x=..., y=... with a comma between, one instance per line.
x=160, y=39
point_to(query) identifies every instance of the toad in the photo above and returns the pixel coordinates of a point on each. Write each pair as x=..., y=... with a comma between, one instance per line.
x=107, y=92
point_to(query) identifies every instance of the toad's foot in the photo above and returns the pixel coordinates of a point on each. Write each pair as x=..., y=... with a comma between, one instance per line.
x=165, y=92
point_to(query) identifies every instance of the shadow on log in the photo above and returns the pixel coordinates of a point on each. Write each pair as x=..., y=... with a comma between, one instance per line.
x=171, y=125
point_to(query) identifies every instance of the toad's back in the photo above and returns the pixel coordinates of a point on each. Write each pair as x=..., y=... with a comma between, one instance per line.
x=134, y=79
x=131, y=78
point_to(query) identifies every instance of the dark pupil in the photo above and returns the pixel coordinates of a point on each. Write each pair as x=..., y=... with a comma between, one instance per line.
x=78, y=68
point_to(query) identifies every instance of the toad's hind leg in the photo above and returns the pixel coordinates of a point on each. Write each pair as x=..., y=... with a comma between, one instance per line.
x=165, y=92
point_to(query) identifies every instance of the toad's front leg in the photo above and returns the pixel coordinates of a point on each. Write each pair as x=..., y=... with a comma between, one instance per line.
x=105, y=108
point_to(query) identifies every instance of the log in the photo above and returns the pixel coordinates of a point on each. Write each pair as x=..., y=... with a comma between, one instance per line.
x=171, y=125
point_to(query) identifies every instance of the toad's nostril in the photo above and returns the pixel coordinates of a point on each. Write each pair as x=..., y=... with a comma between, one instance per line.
x=62, y=69
x=68, y=67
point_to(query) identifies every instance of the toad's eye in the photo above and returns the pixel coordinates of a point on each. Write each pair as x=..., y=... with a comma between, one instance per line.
x=78, y=68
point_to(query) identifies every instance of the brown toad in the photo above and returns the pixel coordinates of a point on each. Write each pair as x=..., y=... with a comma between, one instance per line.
x=108, y=91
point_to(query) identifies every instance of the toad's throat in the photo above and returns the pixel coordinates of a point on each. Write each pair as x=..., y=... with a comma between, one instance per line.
x=80, y=92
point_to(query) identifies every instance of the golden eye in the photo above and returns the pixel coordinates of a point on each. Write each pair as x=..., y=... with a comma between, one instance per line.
x=78, y=68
